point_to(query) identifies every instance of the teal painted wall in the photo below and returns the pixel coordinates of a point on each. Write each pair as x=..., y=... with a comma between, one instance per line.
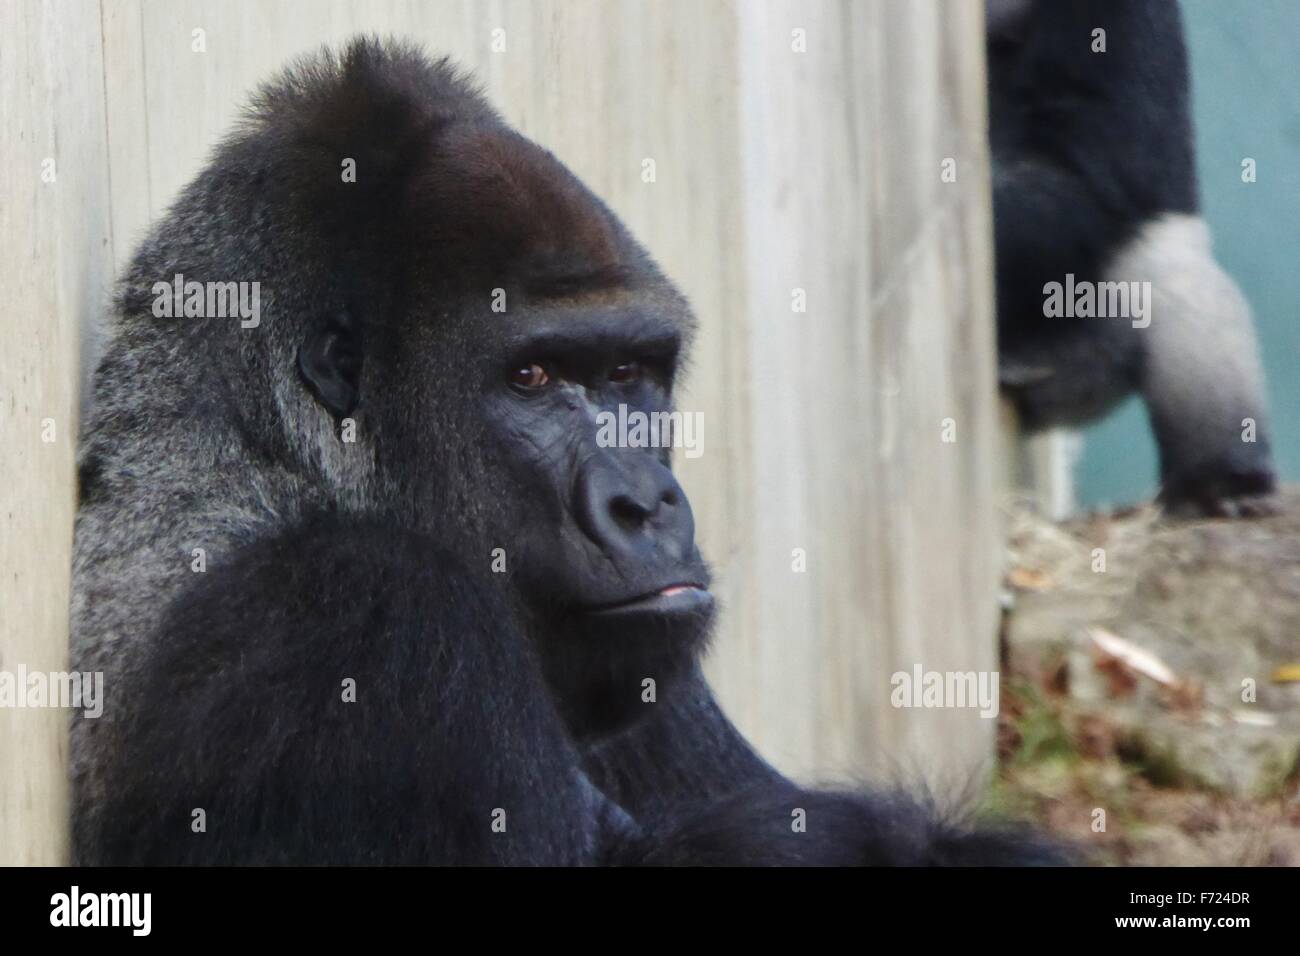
x=1245, y=58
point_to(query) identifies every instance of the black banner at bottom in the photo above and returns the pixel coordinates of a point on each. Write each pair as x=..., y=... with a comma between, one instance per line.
x=337, y=905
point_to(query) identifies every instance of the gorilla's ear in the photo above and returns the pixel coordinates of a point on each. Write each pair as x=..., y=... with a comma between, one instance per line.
x=330, y=362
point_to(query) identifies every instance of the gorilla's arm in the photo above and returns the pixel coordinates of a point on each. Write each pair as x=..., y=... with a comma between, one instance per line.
x=789, y=826
x=241, y=713
x=702, y=796
x=685, y=751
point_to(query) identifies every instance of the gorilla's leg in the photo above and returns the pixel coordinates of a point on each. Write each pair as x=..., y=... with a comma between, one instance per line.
x=341, y=694
x=1201, y=375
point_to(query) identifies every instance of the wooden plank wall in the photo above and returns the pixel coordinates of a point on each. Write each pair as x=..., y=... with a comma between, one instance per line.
x=778, y=168
x=54, y=267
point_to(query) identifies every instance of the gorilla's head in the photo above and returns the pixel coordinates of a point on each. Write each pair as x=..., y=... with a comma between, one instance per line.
x=1006, y=19
x=450, y=318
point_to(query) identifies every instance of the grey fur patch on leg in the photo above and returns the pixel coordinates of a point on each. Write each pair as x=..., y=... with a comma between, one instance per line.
x=1201, y=373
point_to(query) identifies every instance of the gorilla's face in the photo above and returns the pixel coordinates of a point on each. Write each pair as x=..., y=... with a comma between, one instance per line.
x=599, y=536
x=606, y=529
x=548, y=437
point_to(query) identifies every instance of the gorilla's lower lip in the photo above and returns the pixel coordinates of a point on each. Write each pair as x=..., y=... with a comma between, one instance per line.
x=674, y=599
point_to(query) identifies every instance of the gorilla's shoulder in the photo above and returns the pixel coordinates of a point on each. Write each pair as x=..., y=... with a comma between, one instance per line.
x=321, y=592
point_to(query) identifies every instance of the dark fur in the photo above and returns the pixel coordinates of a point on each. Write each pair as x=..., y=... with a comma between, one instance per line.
x=370, y=561
x=241, y=713
x=1088, y=149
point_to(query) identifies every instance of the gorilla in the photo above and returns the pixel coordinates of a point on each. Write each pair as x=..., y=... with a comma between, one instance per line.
x=365, y=586
x=1094, y=182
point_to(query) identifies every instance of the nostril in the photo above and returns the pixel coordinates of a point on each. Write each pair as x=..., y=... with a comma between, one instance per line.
x=671, y=498
x=628, y=512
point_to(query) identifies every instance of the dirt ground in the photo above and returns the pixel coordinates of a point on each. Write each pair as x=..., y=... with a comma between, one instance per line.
x=1151, y=692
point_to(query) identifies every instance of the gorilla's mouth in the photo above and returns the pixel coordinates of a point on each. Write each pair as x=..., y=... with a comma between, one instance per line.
x=673, y=599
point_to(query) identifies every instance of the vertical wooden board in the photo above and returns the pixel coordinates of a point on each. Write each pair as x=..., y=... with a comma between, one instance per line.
x=943, y=531
x=842, y=148
x=55, y=236
x=127, y=127
x=781, y=164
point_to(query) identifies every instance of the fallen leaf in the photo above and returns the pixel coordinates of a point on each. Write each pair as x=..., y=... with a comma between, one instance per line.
x=1121, y=681
x=1139, y=659
x=1286, y=674
x=1254, y=718
x=1030, y=579
x=1187, y=696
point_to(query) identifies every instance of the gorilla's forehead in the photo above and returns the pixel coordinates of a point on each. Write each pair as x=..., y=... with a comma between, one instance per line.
x=448, y=207
x=441, y=184
x=510, y=216
x=486, y=190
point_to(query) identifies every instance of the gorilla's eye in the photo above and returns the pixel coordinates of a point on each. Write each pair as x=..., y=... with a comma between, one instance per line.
x=625, y=373
x=530, y=376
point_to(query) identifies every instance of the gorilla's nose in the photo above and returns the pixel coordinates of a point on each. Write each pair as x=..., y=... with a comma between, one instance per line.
x=632, y=507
